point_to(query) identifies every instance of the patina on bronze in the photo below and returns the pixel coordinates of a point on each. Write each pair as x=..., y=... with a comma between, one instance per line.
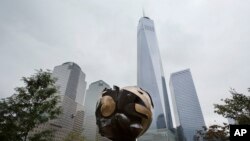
x=124, y=114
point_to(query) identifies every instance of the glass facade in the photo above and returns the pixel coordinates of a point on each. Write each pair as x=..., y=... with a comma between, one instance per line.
x=71, y=83
x=150, y=75
x=92, y=96
x=158, y=135
x=188, y=114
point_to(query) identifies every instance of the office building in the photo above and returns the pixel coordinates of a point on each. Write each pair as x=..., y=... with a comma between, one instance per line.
x=71, y=85
x=92, y=96
x=232, y=121
x=71, y=81
x=187, y=110
x=150, y=75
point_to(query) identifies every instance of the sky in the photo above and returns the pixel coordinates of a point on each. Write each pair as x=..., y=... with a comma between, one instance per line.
x=211, y=37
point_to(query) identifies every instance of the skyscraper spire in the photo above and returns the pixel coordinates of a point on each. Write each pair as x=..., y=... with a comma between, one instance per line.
x=143, y=12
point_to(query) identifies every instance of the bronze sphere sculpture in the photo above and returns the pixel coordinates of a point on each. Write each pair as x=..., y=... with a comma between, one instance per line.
x=124, y=114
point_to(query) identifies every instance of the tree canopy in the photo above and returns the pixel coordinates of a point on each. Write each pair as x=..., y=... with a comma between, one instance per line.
x=33, y=104
x=237, y=107
x=213, y=133
x=74, y=136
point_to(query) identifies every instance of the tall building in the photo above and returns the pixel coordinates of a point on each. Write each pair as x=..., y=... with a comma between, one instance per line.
x=187, y=110
x=232, y=121
x=93, y=94
x=150, y=75
x=71, y=83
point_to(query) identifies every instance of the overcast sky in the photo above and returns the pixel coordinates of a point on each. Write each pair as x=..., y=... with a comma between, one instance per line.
x=211, y=37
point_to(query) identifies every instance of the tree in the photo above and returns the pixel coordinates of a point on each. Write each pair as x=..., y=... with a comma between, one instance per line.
x=33, y=104
x=46, y=135
x=200, y=134
x=74, y=136
x=213, y=133
x=237, y=107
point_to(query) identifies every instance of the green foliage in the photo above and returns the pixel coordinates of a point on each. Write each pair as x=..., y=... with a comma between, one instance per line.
x=237, y=107
x=213, y=133
x=217, y=132
x=73, y=136
x=46, y=135
x=33, y=104
x=199, y=134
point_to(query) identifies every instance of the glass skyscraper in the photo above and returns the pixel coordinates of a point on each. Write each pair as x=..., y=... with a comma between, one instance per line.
x=71, y=81
x=188, y=114
x=93, y=94
x=72, y=85
x=150, y=75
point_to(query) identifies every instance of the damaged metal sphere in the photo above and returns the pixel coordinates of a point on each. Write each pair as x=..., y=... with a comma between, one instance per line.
x=124, y=114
